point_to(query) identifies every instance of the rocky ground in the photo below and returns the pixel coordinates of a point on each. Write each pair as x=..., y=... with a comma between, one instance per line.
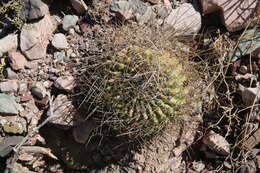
x=45, y=46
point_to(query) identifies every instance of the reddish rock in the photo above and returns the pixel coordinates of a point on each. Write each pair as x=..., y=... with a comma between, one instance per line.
x=235, y=14
x=66, y=83
x=42, y=102
x=78, y=6
x=17, y=60
x=216, y=143
x=26, y=98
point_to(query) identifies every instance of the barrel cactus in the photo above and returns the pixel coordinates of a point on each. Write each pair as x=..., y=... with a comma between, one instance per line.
x=141, y=89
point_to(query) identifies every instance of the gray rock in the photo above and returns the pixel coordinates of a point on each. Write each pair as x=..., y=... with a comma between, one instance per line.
x=198, y=166
x=7, y=144
x=142, y=12
x=39, y=90
x=183, y=20
x=66, y=83
x=59, y=56
x=9, y=87
x=10, y=74
x=69, y=21
x=8, y=105
x=59, y=41
x=33, y=9
x=8, y=43
x=126, y=10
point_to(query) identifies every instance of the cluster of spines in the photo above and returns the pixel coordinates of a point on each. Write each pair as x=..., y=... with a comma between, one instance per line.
x=157, y=102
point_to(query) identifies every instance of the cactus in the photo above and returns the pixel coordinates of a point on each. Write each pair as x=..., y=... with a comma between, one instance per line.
x=142, y=89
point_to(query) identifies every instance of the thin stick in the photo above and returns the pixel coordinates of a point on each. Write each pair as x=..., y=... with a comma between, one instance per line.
x=36, y=129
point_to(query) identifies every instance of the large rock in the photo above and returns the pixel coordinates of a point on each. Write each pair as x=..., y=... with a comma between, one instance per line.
x=235, y=14
x=9, y=87
x=183, y=20
x=8, y=105
x=142, y=12
x=8, y=43
x=33, y=9
x=17, y=60
x=35, y=38
x=62, y=111
x=10, y=74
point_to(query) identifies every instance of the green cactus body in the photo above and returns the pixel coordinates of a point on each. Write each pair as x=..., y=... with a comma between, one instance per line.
x=144, y=85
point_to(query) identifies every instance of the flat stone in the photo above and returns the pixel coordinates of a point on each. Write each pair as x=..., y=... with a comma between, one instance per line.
x=34, y=38
x=59, y=41
x=39, y=90
x=8, y=105
x=183, y=20
x=62, y=109
x=8, y=43
x=9, y=87
x=69, y=21
x=235, y=14
x=33, y=9
x=66, y=83
x=17, y=60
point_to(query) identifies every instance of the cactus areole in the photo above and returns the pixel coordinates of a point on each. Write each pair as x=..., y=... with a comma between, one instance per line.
x=142, y=89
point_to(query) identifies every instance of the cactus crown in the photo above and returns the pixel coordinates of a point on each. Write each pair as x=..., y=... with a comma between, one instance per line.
x=140, y=82
x=141, y=89
x=144, y=85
